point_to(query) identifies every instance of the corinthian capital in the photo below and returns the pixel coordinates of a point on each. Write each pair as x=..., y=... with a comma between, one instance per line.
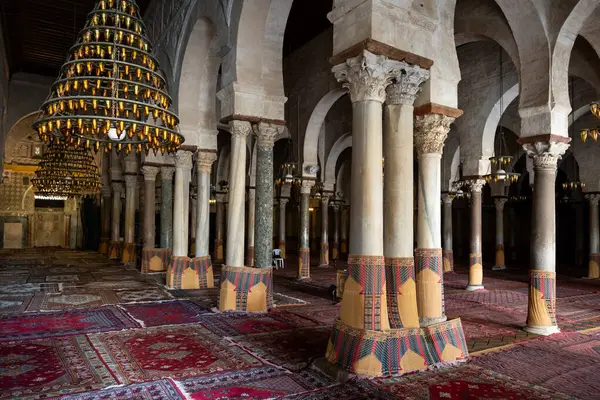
x=407, y=85
x=150, y=172
x=476, y=185
x=240, y=128
x=117, y=188
x=593, y=198
x=267, y=133
x=499, y=202
x=367, y=75
x=307, y=186
x=166, y=173
x=205, y=160
x=430, y=133
x=183, y=159
x=545, y=154
x=131, y=181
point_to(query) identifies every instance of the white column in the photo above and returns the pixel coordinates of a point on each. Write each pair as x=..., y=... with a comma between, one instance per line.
x=149, y=234
x=475, y=256
x=181, y=202
x=499, y=203
x=447, y=249
x=204, y=162
x=250, y=227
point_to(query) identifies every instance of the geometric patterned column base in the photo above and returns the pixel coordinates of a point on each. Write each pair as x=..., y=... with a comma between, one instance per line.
x=114, y=250
x=246, y=289
x=282, y=248
x=324, y=260
x=448, y=259
x=335, y=253
x=396, y=351
x=541, y=310
x=343, y=248
x=103, y=248
x=155, y=260
x=475, y=272
x=190, y=273
x=340, y=281
x=499, y=258
x=430, y=286
x=129, y=255
x=304, y=264
x=218, y=251
x=401, y=292
x=594, y=266
x=250, y=256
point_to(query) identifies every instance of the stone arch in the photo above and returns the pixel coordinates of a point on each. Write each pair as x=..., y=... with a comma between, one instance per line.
x=580, y=112
x=493, y=119
x=19, y=140
x=339, y=146
x=28, y=200
x=314, y=128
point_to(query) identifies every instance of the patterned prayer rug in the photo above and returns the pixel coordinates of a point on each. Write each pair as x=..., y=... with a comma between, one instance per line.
x=566, y=362
x=240, y=324
x=50, y=367
x=8, y=278
x=491, y=315
x=497, y=297
x=188, y=293
x=322, y=314
x=122, y=285
x=466, y=382
x=16, y=303
x=121, y=276
x=71, y=299
x=166, y=312
x=258, y=383
x=132, y=296
x=477, y=331
x=356, y=389
x=43, y=325
x=157, y=390
x=168, y=351
x=293, y=349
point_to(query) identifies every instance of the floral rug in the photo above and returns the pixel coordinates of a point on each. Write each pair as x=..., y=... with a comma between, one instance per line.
x=50, y=367
x=356, y=389
x=132, y=296
x=157, y=390
x=180, y=351
x=321, y=314
x=71, y=299
x=166, y=312
x=240, y=324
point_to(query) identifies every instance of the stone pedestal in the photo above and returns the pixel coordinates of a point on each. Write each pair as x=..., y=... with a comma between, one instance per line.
x=593, y=266
x=475, y=256
x=545, y=150
x=105, y=213
x=499, y=203
x=114, y=246
x=149, y=234
x=447, y=250
x=250, y=227
x=304, y=256
x=324, y=259
x=282, y=217
x=128, y=255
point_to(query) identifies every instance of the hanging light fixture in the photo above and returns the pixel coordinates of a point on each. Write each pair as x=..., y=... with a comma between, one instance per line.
x=110, y=92
x=288, y=168
x=66, y=172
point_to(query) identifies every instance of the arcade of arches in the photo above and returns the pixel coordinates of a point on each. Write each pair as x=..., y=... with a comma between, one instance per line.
x=417, y=164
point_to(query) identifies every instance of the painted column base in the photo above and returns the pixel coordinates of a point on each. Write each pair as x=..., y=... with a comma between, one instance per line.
x=335, y=253
x=541, y=310
x=340, y=282
x=344, y=248
x=155, y=260
x=246, y=289
x=250, y=256
x=324, y=260
x=190, y=273
x=219, y=255
x=401, y=292
x=304, y=264
x=282, y=248
x=129, y=254
x=114, y=250
x=430, y=286
x=593, y=266
x=103, y=248
x=396, y=351
x=475, y=272
x=499, y=258
x=192, y=247
x=448, y=259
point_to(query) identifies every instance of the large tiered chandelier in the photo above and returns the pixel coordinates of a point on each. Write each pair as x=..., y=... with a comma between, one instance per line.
x=109, y=92
x=66, y=172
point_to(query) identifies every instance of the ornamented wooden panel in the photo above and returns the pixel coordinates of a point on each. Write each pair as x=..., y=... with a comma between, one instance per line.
x=49, y=229
x=13, y=235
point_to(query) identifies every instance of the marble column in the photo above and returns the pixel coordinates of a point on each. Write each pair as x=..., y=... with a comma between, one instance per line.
x=398, y=197
x=204, y=162
x=499, y=203
x=447, y=250
x=250, y=227
x=593, y=266
x=324, y=260
x=263, y=228
x=282, y=219
x=128, y=255
x=475, y=256
x=431, y=131
x=335, y=251
x=150, y=173
x=219, y=255
x=541, y=313
x=304, y=257
x=115, y=236
x=344, y=231
x=314, y=241
x=193, y=219
x=181, y=202
x=105, y=212
x=166, y=207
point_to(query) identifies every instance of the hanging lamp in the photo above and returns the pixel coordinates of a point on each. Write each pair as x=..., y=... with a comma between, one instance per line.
x=109, y=87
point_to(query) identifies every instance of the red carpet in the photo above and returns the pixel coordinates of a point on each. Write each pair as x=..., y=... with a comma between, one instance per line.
x=166, y=313
x=156, y=390
x=235, y=324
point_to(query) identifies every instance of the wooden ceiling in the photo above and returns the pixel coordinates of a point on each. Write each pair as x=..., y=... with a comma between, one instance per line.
x=39, y=33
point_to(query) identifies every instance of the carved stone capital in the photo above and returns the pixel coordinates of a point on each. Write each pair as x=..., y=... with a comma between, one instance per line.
x=150, y=172
x=325, y=199
x=267, y=133
x=447, y=198
x=307, y=186
x=240, y=128
x=499, y=202
x=367, y=75
x=407, y=85
x=221, y=197
x=430, y=133
x=283, y=201
x=593, y=198
x=106, y=191
x=166, y=173
x=183, y=159
x=131, y=181
x=545, y=154
x=117, y=188
x=476, y=185
x=205, y=160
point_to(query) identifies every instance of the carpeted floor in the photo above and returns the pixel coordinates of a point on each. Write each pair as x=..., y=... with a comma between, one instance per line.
x=74, y=325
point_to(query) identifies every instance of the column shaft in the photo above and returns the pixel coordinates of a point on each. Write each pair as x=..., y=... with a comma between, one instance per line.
x=324, y=262
x=114, y=249
x=335, y=251
x=250, y=227
x=237, y=194
x=475, y=256
x=204, y=164
x=219, y=222
x=344, y=232
x=166, y=207
x=282, y=220
x=181, y=203
x=593, y=265
x=149, y=206
x=500, y=257
x=447, y=249
x=304, y=256
x=105, y=221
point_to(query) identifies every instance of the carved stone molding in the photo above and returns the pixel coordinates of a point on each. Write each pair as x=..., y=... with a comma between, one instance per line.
x=150, y=172
x=283, y=201
x=306, y=187
x=367, y=75
x=106, y=191
x=117, y=187
x=240, y=128
x=166, y=173
x=131, y=181
x=183, y=159
x=431, y=132
x=545, y=154
x=267, y=133
x=407, y=85
x=593, y=198
x=205, y=160
x=447, y=199
x=499, y=202
x=476, y=185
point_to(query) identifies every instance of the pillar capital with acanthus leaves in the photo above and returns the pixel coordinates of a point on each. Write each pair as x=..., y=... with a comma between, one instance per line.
x=431, y=131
